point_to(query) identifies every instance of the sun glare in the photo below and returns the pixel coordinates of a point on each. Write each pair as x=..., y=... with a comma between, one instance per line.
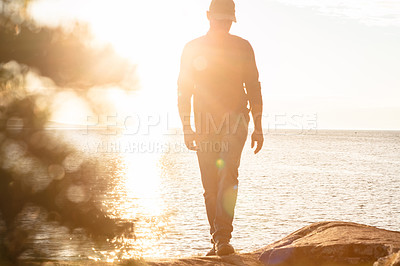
x=143, y=182
x=69, y=109
x=146, y=34
x=151, y=34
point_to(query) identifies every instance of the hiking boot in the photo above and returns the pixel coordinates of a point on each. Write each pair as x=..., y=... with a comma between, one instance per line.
x=224, y=248
x=211, y=252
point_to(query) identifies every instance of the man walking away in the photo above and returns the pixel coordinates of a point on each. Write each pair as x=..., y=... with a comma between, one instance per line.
x=220, y=72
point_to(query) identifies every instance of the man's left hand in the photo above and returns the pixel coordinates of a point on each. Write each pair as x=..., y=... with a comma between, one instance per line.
x=258, y=137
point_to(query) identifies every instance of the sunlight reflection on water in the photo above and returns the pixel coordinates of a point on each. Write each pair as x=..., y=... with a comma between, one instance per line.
x=294, y=181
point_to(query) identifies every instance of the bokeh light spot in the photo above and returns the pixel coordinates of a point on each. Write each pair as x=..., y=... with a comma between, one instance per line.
x=38, y=139
x=220, y=164
x=229, y=200
x=13, y=150
x=56, y=171
x=15, y=124
x=76, y=194
x=72, y=162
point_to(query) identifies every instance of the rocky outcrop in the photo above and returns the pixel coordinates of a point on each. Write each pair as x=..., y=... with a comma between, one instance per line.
x=334, y=243
x=391, y=260
x=319, y=244
x=231, y=260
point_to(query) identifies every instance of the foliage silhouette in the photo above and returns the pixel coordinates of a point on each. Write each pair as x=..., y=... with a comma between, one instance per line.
x=37, y=167
x=64, y=55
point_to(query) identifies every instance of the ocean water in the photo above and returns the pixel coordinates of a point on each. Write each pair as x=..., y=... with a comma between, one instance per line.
x=297, y=179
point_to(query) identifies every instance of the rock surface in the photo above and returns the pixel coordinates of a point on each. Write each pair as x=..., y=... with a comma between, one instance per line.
x=319, y=244
x=391, y=260
x=333, y=243
x=236, y=259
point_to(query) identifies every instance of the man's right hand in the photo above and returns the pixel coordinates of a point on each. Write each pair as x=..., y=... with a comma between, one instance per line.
x=190, y=140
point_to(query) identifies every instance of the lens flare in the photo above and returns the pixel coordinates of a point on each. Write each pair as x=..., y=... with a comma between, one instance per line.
x=220, y=164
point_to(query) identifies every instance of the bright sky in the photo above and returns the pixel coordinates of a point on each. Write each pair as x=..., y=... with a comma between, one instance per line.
x=337, y=59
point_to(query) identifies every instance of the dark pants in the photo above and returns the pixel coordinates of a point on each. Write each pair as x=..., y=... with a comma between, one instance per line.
x=219, y=160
